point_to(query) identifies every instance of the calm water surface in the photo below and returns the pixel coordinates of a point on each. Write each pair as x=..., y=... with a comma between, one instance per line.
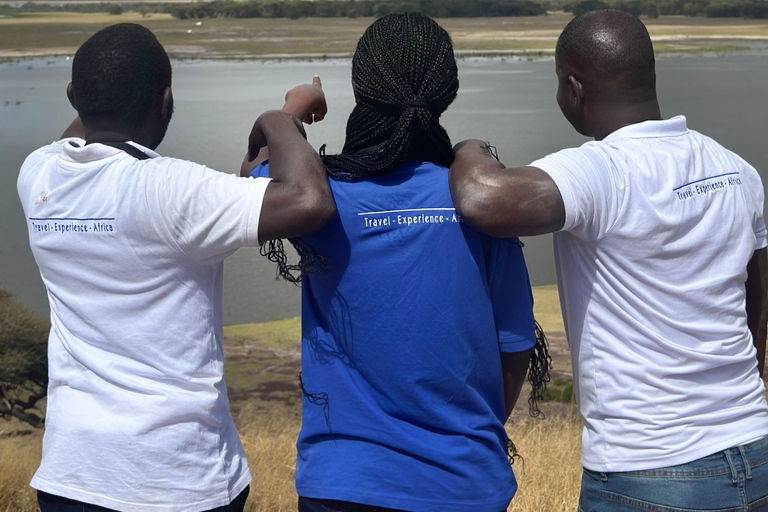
x=506, y=101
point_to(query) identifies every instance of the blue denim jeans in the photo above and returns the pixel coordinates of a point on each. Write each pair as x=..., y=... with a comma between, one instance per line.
x=734, y=480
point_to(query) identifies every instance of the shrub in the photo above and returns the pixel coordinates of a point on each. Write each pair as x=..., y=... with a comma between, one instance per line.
x=23, y=360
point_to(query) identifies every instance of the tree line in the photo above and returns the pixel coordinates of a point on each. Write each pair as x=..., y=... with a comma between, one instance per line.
x=652, y=9
x=435, y=8
x=356, y=8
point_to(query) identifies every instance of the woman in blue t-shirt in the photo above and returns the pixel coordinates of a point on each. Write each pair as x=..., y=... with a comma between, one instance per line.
x=417, y=331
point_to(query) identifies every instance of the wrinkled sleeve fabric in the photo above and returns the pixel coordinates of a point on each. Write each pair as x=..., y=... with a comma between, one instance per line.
x=755, y=195
x=510, y=292
x=209, y=214
x=591, y=188
x=34, y=162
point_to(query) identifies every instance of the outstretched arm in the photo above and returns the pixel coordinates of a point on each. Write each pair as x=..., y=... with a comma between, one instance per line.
x=757, y=302
x=503, y=202
x=305, y=102
x=298, y=201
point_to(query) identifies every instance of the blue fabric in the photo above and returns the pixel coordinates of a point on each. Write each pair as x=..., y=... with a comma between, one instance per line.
x=734, y=480
x=403, y=403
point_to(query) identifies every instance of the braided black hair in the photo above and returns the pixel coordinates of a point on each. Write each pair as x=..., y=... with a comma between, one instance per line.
x=405, y=77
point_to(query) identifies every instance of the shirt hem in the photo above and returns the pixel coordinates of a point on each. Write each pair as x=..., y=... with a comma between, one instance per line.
x=64, y=491
x=514, y=344
x=408, y=504
x=625, y=465
x=256, y=201
x=561, y=183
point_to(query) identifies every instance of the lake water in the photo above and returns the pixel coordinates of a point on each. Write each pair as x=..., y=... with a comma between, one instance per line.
x=507, y=101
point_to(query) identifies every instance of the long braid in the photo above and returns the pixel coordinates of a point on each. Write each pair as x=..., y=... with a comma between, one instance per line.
x=406, y=76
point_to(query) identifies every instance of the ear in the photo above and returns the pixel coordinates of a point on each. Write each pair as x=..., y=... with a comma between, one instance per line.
x=166, y=109
x=354, y=91
x=577, y=90
x=71, y=96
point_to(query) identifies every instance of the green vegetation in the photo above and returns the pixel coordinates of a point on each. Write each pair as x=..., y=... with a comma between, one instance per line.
x=23, y=361
x=295, y=9
x=559, y=390
x=711, y=9
x=355, y=8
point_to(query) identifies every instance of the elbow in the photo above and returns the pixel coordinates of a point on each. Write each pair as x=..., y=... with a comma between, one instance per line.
x=476, y=206
x=317, y=209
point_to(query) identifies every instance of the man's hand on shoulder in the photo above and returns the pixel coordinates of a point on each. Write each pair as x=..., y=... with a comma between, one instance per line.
x=499, y=201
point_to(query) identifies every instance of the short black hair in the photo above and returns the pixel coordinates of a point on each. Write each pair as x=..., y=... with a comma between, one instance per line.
x=118, y=73
x=612, y=47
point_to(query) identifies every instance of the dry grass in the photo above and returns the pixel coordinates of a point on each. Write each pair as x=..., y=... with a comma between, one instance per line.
x=261, y=363
x=19, y=457
x=269, y=441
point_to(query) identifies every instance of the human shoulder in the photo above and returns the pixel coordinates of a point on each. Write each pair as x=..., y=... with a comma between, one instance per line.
x=47, y=152
x=38, y=159
x=586, y=156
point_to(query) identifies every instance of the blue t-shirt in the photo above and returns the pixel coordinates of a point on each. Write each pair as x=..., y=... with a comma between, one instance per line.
x=404, y=403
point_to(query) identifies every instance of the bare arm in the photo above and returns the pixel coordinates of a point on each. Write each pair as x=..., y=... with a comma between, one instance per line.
x=305, y=102
x=75, y=129
x=503, y=202
x=298, y=201
x=757, y=302
x=514, y=367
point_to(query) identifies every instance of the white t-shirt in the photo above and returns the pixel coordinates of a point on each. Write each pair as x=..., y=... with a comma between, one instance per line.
x=131, y=254
x=660, y=223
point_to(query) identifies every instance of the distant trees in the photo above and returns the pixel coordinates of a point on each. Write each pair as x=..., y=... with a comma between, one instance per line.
x=23, y=361
x=354, y=8
x=580, y=8
x=435, y=8
x=653, y=8
x=115, y=9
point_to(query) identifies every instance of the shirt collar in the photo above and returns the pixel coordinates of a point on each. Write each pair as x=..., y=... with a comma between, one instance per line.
x=75, y=150
x=651, y=129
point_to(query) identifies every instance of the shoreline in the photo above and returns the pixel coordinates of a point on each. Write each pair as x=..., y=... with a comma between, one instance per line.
x=523, y=54
x=248, y=39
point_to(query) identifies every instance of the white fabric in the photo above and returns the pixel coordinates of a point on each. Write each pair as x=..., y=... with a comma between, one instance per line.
x=131, y=253
x=660, y=224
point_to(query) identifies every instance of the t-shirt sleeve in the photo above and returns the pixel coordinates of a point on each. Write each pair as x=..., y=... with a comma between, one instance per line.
x=511, y=297
x=209, y=214
x=591, y=188
x=755, y=187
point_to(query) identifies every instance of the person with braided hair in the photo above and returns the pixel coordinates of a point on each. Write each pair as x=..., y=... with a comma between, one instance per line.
x=417, y=331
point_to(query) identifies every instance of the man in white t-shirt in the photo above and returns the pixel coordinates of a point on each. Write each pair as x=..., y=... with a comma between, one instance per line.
x=661, y=265
x=130, y=246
